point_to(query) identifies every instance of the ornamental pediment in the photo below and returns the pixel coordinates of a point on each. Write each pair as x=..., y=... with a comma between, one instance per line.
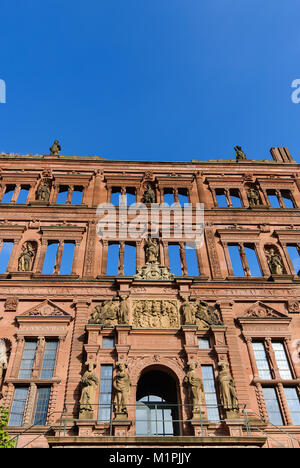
x=46, y=309
x=260, y=310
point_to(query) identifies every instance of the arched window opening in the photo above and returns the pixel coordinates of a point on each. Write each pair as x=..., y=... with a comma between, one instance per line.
x=157, y=409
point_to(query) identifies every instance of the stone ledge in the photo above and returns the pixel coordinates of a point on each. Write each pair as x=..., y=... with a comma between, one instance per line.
x=140, y=442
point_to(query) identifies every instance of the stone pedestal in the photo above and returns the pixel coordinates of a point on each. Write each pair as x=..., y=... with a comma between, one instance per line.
x=200, y=427
x=120, y=428
x=235, y=427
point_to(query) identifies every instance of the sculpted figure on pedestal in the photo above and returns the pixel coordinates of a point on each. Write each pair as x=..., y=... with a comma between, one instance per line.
x=3, y=359
x=239, y=153
x=55, y=148
x=43, y=191
x=89, y=384
x=195, y=388
x=253, y=197
x=188, y=312
x=227, y=391
x=149, y=195
x=151, y=250
x=27, y=257
x=121, y=387
x=275, y=262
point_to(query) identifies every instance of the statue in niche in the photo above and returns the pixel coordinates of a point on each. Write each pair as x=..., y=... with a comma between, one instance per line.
x=123, y=313
x=240, y=155
x=89, y=384
x=151, y=250
x=3, y=359
x=188, y=312
x=55, y=148
x=275, y=262
x=195, y=388
x=149, y=195
x=27, y=257
x=227, y=391
x=121, y=386
x=253, y=197
x=43, y=191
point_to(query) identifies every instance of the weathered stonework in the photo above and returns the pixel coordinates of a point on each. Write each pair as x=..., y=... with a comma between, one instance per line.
x=148, y=327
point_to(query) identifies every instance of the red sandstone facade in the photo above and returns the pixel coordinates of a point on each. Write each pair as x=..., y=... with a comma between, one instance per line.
x=37, y=308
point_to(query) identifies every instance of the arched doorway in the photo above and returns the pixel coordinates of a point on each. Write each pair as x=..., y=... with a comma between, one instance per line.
x=157, y=406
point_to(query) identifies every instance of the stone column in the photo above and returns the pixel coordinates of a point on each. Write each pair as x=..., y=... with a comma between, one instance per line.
x=42, y=253
x=76, y=356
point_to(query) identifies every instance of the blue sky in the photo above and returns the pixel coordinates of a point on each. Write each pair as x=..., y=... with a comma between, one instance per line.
x=150, y=79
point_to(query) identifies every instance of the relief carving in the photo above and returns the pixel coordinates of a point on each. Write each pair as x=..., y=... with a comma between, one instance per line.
x=111, y=313
x=199, y=313
x=155, y=314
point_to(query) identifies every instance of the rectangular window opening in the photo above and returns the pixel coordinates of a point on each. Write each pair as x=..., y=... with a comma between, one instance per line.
x=174, y=259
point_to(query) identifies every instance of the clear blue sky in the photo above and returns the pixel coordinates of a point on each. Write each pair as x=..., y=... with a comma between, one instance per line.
x=150, y=79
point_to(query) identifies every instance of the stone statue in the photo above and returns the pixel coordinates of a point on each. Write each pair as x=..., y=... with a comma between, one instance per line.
x=253, y=197
x=151, y=250
x=89, y=384
x=275, y=262
x=149, y=195
x=195, y=388
x=55, y=148
x=43, y=191
x=27, y=257
x=227, y=391
x=239, y=153
x=188, y=312
x=3, y=359
x=123, y=314
x=121, y=387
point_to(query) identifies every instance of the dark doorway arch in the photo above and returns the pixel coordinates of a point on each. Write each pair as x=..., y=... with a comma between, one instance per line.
x=157, y=405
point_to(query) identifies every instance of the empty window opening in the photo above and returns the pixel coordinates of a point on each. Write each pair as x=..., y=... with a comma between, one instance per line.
x=169, y=197
x=116, y=196
x=129, y=259
x=174, y=259
x=23, y=195
x=50, y=258
x=5, y=255
x=77, y=196
x=191, y=261
x=221, y=198
x=295, y=257
x=112, y=267
x=67, y=258
x=235, y=198
x=183, y=197
x=62, y=195
x=9, y=191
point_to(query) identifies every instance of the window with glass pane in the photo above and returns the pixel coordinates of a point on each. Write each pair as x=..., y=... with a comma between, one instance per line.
x=262, y=363
x=282, y=361
x=154, y=417
x=49, y=359
x=272, y=405
x=41, y=408
x=108, y=342
x=210, y=393
x=203, y=343
x=18, y=406
x=104, y=414
x=292, y=399
x=27, y=362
